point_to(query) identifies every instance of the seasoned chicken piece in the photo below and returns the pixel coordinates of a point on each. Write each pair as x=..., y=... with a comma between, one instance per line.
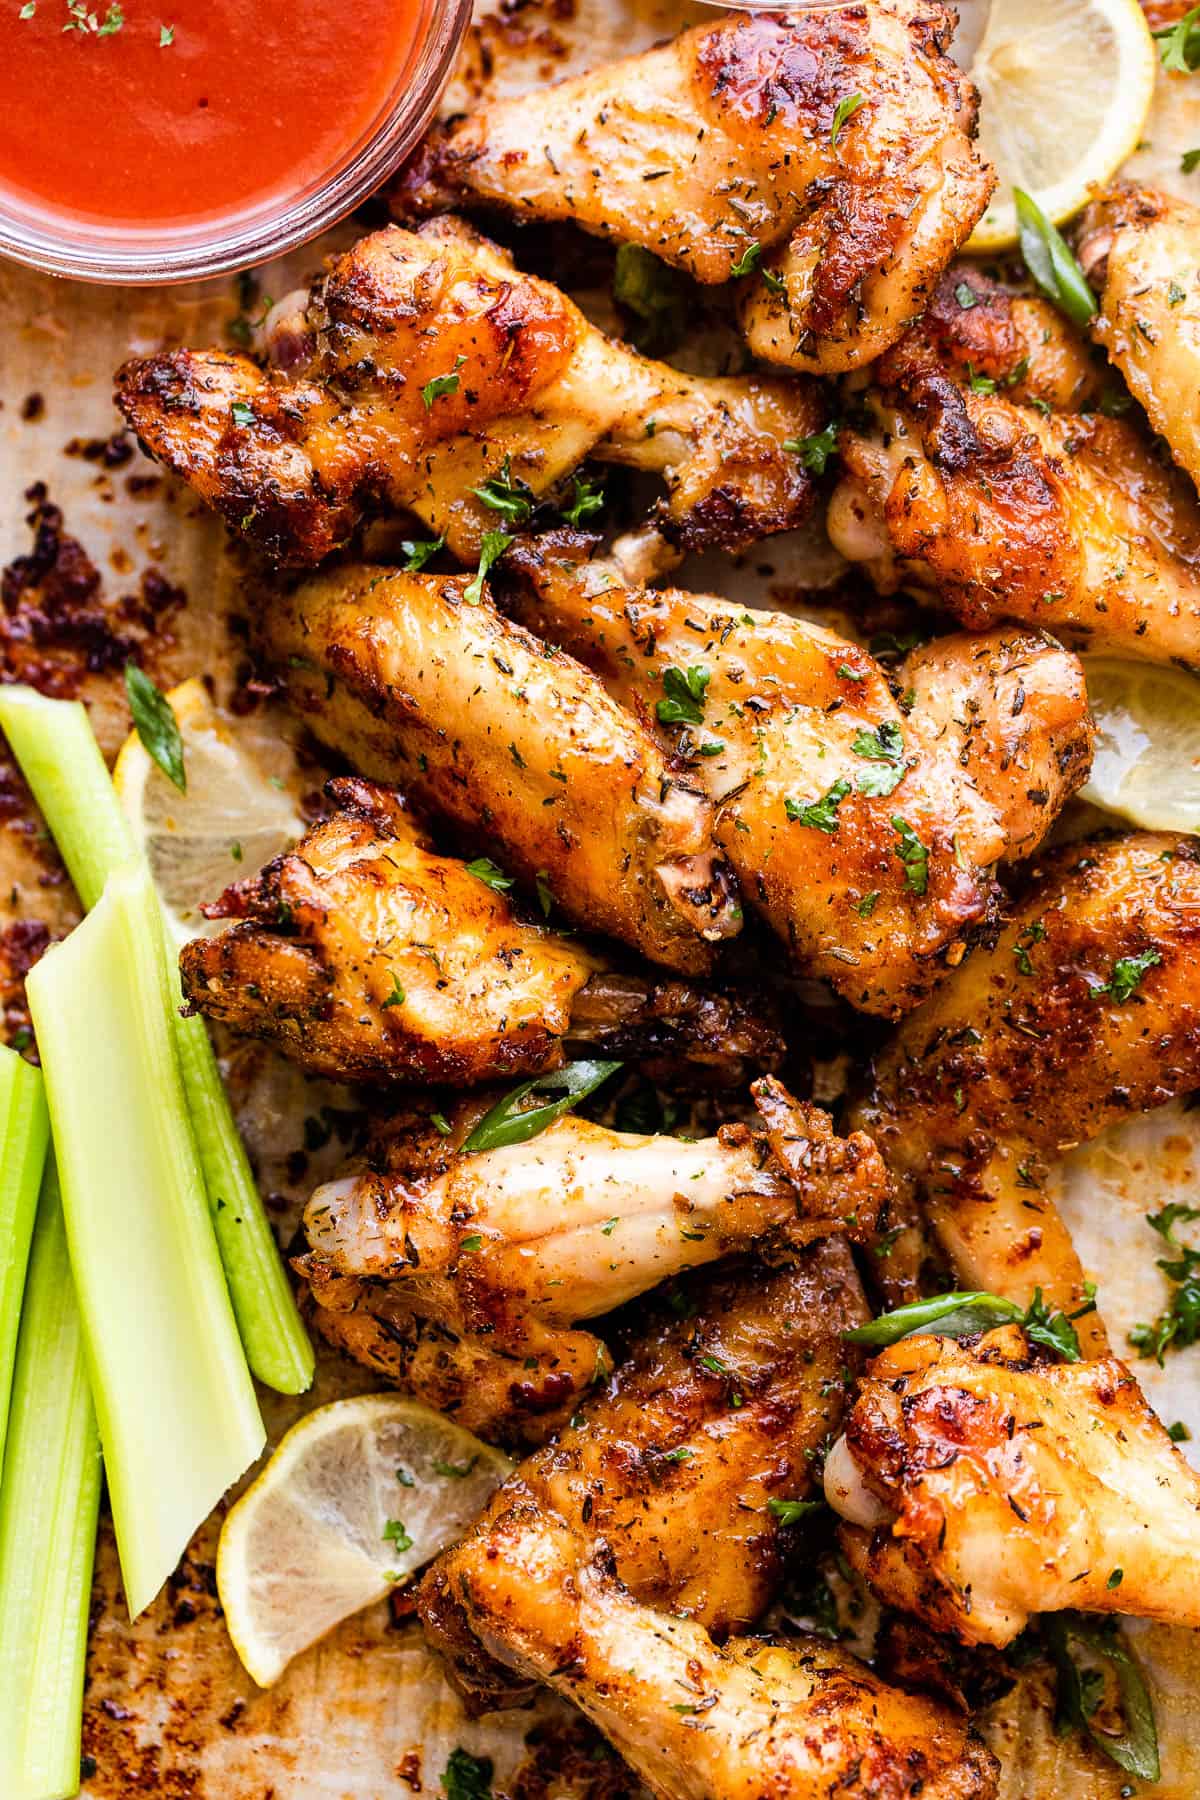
x=483, y=723
x=997, y=511
x=1141, y=251
x=724, y=1405
x=503, y=1250
x=864, y=830
x=801, y=1721
x=366, y=957
x=424, y=366
x=1086, y=1011
x=1013, y=1487
x=834, y=144
x=977, y=332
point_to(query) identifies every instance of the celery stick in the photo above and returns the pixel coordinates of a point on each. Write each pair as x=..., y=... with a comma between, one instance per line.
x=61, y=761
x=24, y=1130
x=178, y=1418
x=48, y=1505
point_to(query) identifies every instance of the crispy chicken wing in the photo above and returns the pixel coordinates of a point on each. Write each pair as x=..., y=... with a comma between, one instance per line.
x=502, y=1251
x=865, y=831
x=997, y=511
x=834, y=143
x=972, y=1446
x=723, y=1405
x=802, y=1721
x=422, y=367
x=365, y=957
x=1085, y=1011
x=1141, y=250
x=488, y=726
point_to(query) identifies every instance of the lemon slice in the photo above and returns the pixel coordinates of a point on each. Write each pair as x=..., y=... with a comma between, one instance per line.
x=1147, y=761
x=1064, y=89
x=231, y=820
x=358, y=1496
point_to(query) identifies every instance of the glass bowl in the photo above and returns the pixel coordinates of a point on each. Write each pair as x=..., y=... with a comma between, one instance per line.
x=218, y=246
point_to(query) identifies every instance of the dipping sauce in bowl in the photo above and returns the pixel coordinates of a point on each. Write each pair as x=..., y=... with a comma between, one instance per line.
x=152, y=140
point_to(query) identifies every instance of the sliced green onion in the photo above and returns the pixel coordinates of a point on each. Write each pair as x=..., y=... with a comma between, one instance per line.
x=1135, y=1749
x=1050, y=262
x=60, y=759
x=510, y=1123
x=953, y=1315
x=48, y=1506
x=178, y=1418
x=24, y=1131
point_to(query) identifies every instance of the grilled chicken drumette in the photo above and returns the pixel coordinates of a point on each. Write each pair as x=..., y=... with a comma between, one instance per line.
x=997, y=1486
x=1067, y=523
x=824, y=155
x=1085, y=1011
x=462, y=1275
x=723, y=1405
x=1141, y=251
x=864, y=827
x=481, y=722
x=424, y=366
x=365, y=956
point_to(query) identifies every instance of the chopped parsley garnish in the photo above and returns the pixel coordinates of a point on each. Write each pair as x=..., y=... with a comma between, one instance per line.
x=684, y=691
x=1050, y=262
x=418, y=551
x=484, y=869
x=512, y=499
x=885, y=746
x=820, y=814
x=166, y=36
x=1126, y=977
x=242, y=414
x=467, y=1777
x=815, y=450
x=1181, y=44
x=747, y=262
x=472, y=1243
x=156, y=725
x=1179, y=1323
x=494, y=544
x=442, y=385
x=396, y=997
x=912, y=854
x=845, y=110
x=656, y=296
x=1032, y=934
x=790, y=1512
x=588, y=500
x=395, y=1534
x=866, y=906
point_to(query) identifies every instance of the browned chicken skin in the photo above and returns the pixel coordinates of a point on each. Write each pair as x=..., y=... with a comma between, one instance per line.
x=1086, y=1011
x=1015, y=1487
x=998, y=511
x=1141, y=250
x=819, y=775
x=462, y=1276
x=723, y=1405
x=366, y=957
x=486, y=725
x=427, y=366
x=734, y=142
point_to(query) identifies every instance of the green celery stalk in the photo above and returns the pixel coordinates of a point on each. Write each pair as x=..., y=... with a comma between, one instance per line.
x=48, y=1505
x=24, y=1131
x=178, y=1418
x=60, y=759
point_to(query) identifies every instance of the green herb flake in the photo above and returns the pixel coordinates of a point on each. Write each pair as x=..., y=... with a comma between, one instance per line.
x=815, y=450
x=866, y=906
x=843, y=112
x=418, y=551
x=1189, y=162
x=790, y=1512
x=885, y=746
x=455, y=1471
x=166, y=36
x=442, y=385
x=747, y=262
x=966, y=296
x=1126, y=977
x=396, y=997
x=1181, y=44
x=684, y=691
x=243, y=414
x=822, y=814
x=485, y=870
x=470, y=1244
x=545, y=893
x=395, y=1534
x=912, y=854
x=440, y=1123
x=587, y=501
x=467, y=1777
x=156, y=724
x=494, y=544
x=513, y=500
x=1178, y=1325
x=1050, y=262
x=28, y=10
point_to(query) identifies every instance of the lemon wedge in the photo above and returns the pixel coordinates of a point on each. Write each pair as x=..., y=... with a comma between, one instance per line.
x=231, y=820
x=358, y=1496
x=1064, y=90
x=1147, y=760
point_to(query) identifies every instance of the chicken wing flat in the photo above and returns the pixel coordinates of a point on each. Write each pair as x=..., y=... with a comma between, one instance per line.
x=863, y=829
x=998, y=511
x=422, y=367
x=364, y=956
x=723, y=1405
x=834, y=144
x=973, y=1445
x=802, y=1721
x=488, y=726
x=504, y=1250
x=1141, y=249
x=1084, y=1012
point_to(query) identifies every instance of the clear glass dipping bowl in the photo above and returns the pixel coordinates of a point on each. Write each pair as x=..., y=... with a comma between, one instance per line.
x=88, y=252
